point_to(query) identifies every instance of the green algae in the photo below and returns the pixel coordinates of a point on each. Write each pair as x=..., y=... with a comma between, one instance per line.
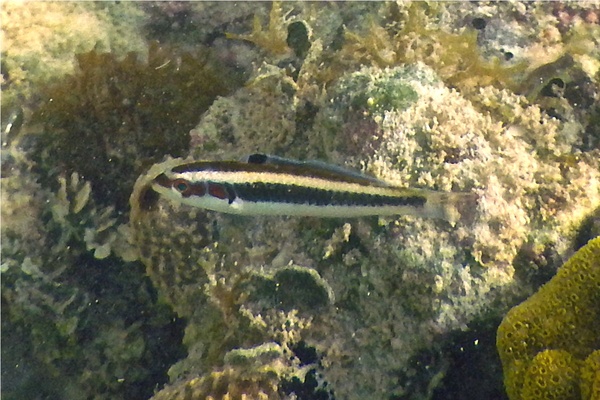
x=123, y=114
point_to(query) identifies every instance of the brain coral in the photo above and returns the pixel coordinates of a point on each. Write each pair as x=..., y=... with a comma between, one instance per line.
x=544, y=341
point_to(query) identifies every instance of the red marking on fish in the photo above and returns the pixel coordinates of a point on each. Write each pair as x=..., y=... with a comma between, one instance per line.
x=217, y=191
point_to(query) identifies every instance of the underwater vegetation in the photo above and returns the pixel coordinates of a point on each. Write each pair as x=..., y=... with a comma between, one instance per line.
x=76, y=319
x=80, y=318
x=117, y=292
x=408, y=37
x=549, y=344
x=113, y=117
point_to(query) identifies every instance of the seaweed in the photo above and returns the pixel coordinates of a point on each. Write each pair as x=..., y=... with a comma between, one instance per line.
x=114, y=117
x=455, y=57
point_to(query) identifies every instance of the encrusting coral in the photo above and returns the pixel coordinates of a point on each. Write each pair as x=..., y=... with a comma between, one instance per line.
x=590, y=377
x=544, y=341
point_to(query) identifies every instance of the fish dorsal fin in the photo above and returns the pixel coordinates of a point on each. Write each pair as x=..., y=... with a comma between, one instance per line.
x=261, y=158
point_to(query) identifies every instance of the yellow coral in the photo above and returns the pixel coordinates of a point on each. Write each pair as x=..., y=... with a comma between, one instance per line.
x=552, y=374
x=543, y=341
x=590, y=377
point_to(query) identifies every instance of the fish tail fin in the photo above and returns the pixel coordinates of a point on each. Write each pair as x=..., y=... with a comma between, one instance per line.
x=453, y=206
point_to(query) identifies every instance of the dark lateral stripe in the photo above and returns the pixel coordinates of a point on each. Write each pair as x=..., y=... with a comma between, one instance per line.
x=288, y=169
x=292, y=194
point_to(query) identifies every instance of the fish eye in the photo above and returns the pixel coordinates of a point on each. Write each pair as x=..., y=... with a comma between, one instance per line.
x=181, y=185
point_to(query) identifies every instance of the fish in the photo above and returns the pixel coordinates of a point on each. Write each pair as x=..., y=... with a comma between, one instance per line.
x=262, y=184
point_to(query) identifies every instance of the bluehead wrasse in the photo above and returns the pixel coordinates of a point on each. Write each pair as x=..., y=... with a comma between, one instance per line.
x=281, y=187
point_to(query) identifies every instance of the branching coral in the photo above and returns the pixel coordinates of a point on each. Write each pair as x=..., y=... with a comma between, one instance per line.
x=543, y=341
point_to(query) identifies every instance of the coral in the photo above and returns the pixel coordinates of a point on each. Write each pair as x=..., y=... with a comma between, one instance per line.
x=590, y=377
x=552, y=374
x=543, y=341
x=124, y=114
x=253, y=373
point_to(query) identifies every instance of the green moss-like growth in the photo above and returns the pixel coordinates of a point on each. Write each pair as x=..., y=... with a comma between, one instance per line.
x=388, y=91
x=564, y=316
x=272, y=39
x=115, y=116
x=455, y=57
